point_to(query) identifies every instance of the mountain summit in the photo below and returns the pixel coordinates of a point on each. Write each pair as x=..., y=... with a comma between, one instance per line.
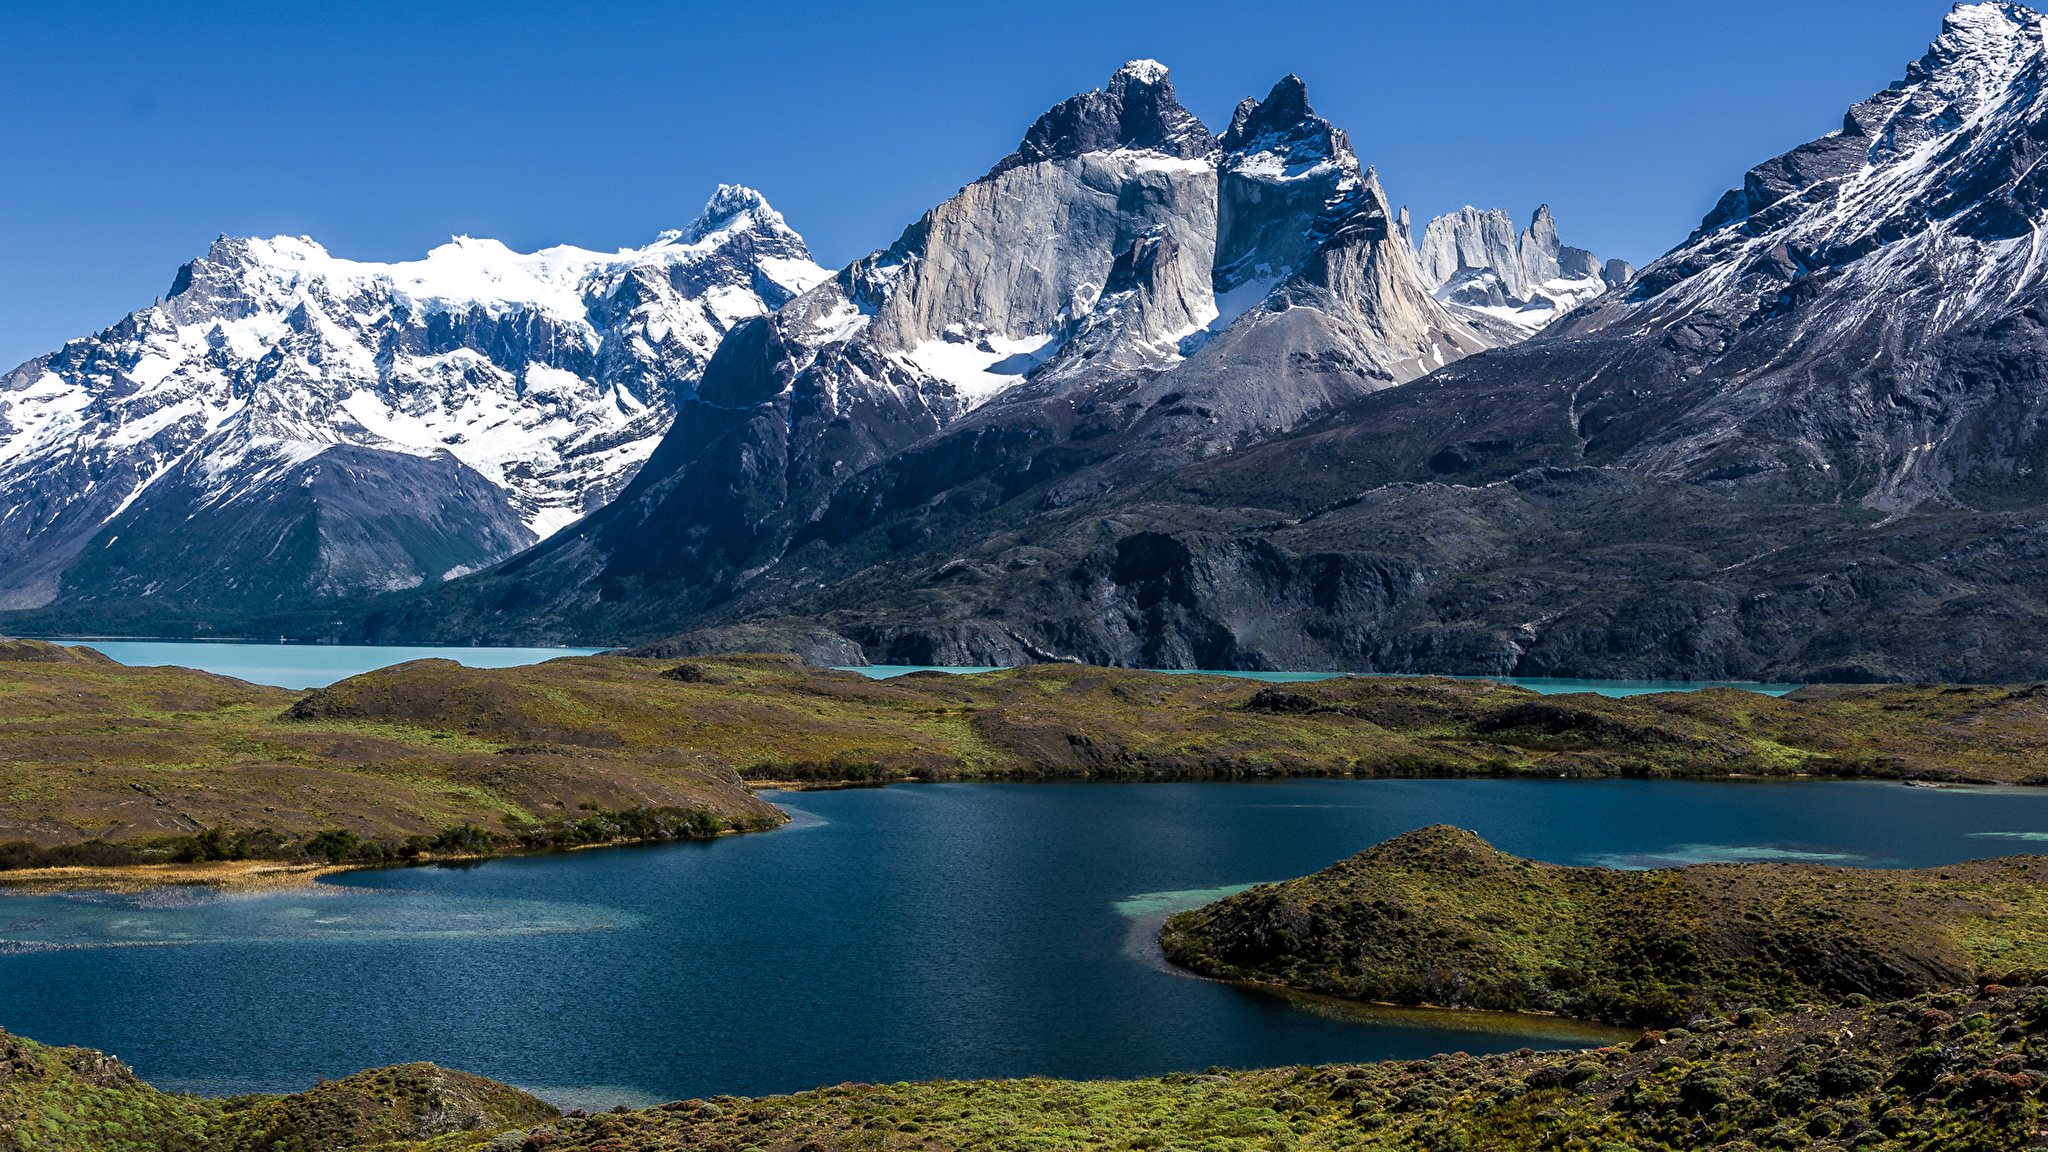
x=1138, y=110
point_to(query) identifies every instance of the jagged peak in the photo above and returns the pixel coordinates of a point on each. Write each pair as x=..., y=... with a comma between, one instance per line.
x=1137, y=110
x=1283, y=124
x=725, y=211
x=1285, y=112
x=1973, y=27
x=1979, y=51
x=1239, y=117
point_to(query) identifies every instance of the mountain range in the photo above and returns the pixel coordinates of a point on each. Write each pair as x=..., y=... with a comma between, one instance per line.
x=1148, y=395
x=288, y=427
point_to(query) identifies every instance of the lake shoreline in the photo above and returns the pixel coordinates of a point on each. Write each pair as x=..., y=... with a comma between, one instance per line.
x=220, y=875
x=244, y=876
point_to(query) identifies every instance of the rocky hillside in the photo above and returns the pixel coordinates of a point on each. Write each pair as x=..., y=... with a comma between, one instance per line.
x=1439, y=916
x=1802, y=446
x=286, y=426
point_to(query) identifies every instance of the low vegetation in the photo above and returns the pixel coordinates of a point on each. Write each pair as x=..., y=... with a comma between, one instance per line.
x=1955, y=1071
x=1440, y=917
x=104, y=763
x=1959, y=1072
x=71, y=1099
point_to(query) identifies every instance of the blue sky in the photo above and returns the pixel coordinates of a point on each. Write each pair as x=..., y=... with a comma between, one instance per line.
x=133, y=134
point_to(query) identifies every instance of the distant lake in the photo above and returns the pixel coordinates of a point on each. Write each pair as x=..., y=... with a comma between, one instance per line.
x=305, y=665
x=318, y=665
x=949, y=930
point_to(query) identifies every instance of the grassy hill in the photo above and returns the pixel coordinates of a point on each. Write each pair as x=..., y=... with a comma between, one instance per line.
x=1439, y=916
x=179, y=764
x=75, y=1099
x=582, y=749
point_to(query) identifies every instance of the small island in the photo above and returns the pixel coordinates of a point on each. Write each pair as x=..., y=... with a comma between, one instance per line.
x=1440, y=917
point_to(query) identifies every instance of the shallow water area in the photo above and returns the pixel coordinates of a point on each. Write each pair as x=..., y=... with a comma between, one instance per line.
x=902, y=933
x=315, y=915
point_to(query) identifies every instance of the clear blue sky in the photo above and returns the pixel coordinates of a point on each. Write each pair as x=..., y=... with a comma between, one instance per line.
x=133, y=133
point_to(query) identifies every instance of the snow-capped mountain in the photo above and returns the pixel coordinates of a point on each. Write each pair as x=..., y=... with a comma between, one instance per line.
x=289, y=424
x=1476, y=260
x=1125, y=285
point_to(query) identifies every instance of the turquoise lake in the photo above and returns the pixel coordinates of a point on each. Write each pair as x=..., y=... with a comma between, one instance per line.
x=318, y=665
x=951, y=930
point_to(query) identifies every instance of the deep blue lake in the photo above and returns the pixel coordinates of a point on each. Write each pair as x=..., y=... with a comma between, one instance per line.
x=954, y=930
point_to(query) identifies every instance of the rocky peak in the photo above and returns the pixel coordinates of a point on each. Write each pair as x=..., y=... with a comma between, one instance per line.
x=734, y=207
x=1138, y=110
x=1284, y=109
x=1282, y=165
x=1477, y=260
x=1283, y=124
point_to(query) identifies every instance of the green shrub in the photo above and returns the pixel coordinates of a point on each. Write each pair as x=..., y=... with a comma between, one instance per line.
x=336, y=844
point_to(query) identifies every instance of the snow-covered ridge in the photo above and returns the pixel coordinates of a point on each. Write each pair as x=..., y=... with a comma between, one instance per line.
x=1854, y=270
x=548, y=375
x=1923, y=166
x=470, y=272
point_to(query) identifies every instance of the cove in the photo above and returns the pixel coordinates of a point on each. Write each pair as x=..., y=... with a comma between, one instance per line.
x=912, y=932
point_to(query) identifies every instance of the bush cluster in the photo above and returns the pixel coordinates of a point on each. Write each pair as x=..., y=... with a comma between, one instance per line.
x=220, y=843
